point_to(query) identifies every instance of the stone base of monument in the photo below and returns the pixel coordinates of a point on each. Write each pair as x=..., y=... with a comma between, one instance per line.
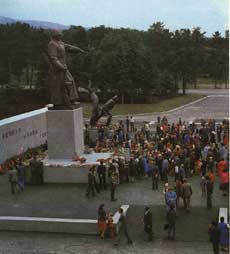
x=68, y=171
x=65, y=133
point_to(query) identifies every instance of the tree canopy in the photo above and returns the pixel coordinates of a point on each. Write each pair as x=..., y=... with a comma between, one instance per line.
x=124, y=61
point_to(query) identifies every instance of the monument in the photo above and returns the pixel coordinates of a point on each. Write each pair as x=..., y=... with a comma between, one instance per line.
x=64, y=119
x=100, y=110
x=62, y=88
x=65, y=137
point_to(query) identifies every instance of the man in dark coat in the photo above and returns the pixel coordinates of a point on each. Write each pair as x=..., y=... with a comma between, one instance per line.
x=155, y=176
x=40, y=177
x=132, y=170
x=101, y=171
x=148, y=223
x=186, y=194
x=127, y=121
x=91, y=183
x=113, y=184
x=123, y=228
x=209, y=190
x=214, y=235
x=121, y=168
x=36, y=168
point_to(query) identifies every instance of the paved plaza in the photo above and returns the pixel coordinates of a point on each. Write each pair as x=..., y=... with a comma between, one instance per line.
x=69, y=201
x=31, y=243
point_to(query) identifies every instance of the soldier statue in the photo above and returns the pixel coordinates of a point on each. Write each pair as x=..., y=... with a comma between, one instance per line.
x=63, y=92
x=99, y=111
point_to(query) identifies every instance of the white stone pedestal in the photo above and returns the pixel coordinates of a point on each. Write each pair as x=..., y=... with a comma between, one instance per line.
x=65, y=133
x=68, y=171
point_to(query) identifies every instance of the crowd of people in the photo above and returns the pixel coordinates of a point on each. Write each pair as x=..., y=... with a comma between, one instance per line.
x=170, y=153
x=17, y=178
x=106, y=225
x=177, y=151
x=18, y=170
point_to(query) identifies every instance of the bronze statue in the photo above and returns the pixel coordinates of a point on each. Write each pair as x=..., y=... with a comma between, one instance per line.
x=100, y=111
x=63, y=92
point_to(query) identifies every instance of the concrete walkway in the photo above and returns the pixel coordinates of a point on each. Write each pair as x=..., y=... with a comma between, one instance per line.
x=212, y=106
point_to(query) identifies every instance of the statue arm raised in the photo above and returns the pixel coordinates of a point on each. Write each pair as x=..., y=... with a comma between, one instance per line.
x=73, y=48
x=52, y=52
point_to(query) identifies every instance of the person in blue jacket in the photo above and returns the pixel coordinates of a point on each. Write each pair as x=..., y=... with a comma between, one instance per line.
x=170, y=199
x=224, y=234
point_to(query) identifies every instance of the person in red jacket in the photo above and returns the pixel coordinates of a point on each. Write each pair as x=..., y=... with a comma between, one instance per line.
x=224, y=182
x=221, y=166
x=211, y=177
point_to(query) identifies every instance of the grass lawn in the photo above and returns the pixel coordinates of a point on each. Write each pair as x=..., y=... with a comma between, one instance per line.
x=158, y=106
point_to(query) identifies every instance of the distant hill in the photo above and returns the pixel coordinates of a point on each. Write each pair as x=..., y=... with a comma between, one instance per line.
x=34, y=23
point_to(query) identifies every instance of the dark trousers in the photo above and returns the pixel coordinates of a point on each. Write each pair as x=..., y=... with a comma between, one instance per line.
x=187, y=202
x=13, y=186
x=40, y=178
x=125, y=231
x=155, y=181
x=216, y=249
x=165, y=176
x=218, y=137
x=127, y=178
x=90, y=190
x=209, y=201
x=187, y=173
x=102, y=181
x=121, y=177
x=161, y=174
x=171, y=231
x=149, y=231
x=33, y=177
x=112, y=192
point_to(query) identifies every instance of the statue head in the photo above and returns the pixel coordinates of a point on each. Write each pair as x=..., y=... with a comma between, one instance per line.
x=56, y=34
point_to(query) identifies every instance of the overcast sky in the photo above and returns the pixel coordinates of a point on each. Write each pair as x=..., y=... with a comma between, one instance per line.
x=210, y=15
